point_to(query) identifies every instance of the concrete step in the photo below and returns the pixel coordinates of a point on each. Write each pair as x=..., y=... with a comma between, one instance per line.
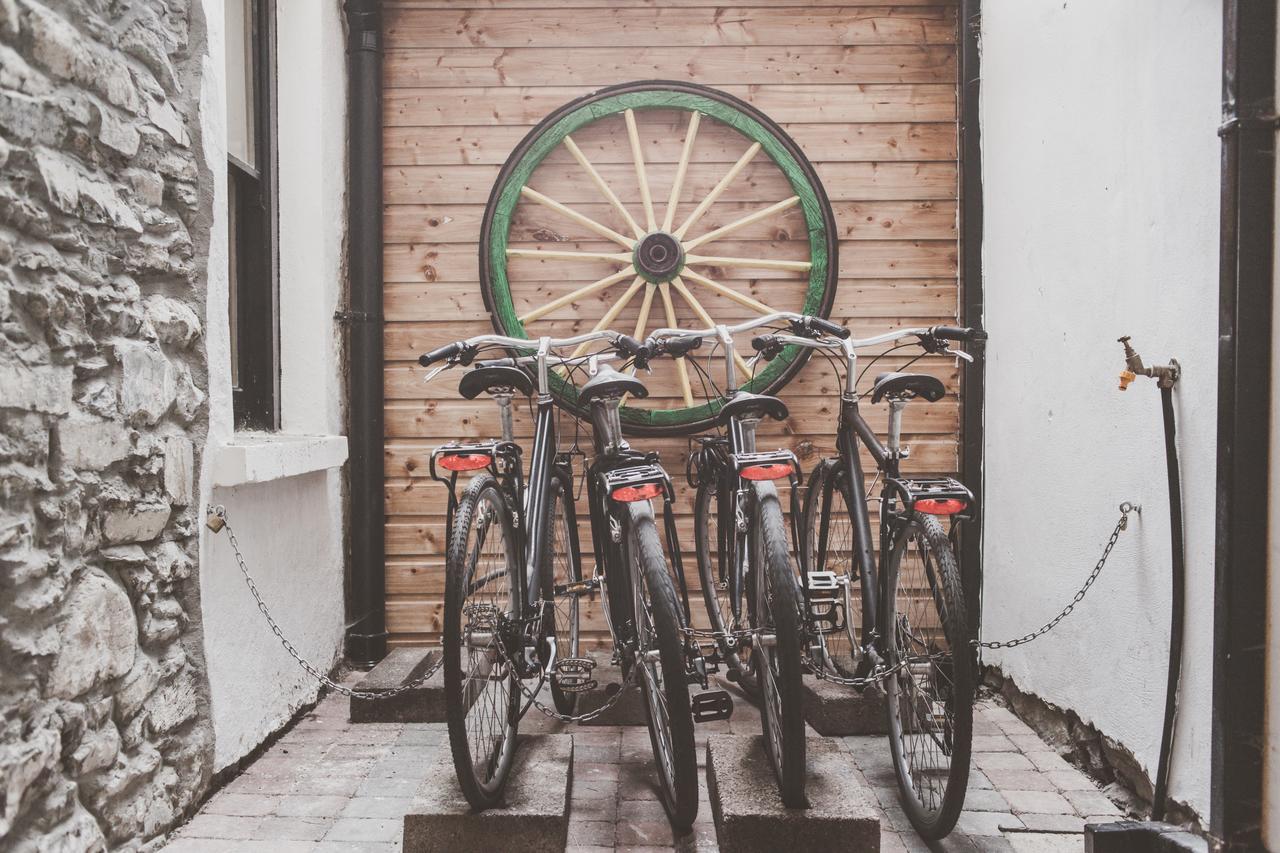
x=748, y=810
x=534, y=815
x=403, y=664
x=837, y=709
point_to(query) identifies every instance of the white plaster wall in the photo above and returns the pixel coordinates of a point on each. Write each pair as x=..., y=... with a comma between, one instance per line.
x=291, y=529
x=1101, y=175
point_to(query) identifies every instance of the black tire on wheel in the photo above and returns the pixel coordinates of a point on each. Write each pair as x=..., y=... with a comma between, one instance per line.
x=666, y=689
x=777, y=611
x=562, y=564
x=840, y=651
x=482, y=702
x=709, y=548
x=931, y=699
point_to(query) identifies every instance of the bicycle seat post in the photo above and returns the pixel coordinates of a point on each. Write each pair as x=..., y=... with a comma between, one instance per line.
x=503, y=399
x=544, y=383
x=896, y=405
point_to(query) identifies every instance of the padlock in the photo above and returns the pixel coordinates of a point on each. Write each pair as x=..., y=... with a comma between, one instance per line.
x=215, y=522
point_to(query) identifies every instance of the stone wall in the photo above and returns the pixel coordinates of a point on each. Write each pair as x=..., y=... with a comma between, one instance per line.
x=104, y=734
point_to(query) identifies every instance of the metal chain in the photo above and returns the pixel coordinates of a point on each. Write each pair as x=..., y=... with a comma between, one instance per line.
x=220, y=513
x=1125, y=508
x=552, y=713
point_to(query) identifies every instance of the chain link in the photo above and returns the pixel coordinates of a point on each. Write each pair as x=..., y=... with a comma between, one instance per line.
x=220, y=512
x=1122, y=524
x=552, y=713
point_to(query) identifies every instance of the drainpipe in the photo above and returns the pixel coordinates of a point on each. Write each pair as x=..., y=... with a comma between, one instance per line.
x=367, y=594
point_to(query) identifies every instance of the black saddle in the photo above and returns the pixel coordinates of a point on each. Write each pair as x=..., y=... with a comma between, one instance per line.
x=907, y=386
x=610, y=383
x=499, y=379
x=745, y=405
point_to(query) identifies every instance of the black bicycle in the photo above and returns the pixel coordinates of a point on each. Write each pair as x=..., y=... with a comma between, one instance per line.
x=513, y=576
x=904, y=625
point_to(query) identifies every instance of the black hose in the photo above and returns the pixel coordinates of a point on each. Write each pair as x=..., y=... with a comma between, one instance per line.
x=1159, y=801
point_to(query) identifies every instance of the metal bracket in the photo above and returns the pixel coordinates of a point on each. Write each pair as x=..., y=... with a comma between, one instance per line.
x=350, y=317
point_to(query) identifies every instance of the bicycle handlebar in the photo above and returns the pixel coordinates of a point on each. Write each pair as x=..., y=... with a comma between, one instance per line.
x=460, y=348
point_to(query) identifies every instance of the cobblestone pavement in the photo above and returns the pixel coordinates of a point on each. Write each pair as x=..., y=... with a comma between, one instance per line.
x=329, y=785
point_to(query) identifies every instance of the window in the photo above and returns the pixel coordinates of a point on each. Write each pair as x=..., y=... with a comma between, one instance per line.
x=251, y=151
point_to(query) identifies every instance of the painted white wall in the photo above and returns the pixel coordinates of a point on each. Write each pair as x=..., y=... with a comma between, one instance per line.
x=1101, y=176
x=290, y=527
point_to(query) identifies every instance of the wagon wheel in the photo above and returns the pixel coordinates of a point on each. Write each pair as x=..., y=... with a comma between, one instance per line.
x=725, y=219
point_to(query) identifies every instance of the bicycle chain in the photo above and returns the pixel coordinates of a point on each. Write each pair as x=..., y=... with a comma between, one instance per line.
x=552, y=713
x=1123, y=524
x=808, y=662
x=220, y=512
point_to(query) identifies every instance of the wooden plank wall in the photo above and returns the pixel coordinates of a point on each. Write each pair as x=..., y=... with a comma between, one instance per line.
x=868, y=91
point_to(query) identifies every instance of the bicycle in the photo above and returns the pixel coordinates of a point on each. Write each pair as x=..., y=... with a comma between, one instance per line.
x=911, y=630
x=504, y=590
x=750, y=590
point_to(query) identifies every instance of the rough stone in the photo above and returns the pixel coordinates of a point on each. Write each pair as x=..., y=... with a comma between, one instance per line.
x=20, y=765
x=97, y=750
x=99, y=637
x=43, y=388
x=147, y=382
x=179, y=470
x=135, y=522
x=173, y=321
x=93, y=443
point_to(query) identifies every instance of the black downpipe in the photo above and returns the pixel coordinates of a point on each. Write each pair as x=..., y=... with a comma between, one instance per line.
x=367, y=633
x=1159, y=801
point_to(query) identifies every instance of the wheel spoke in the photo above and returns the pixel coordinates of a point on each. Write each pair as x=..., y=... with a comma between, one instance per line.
x=729, y=293
x=570, y=213
x=561, y=301
x=681, y=370
x=694, y=119
x=717, y=190
x=612, y=313
x=564, y=255
x=706, y=318
x=741, y=223
x=752, y=263
x=602, y=186
x=638, y=156
x=643, y=320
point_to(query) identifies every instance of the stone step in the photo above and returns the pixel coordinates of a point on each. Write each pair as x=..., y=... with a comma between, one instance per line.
x=748, y=810
x=424, y=704
x=533, y=817
x=837, y=709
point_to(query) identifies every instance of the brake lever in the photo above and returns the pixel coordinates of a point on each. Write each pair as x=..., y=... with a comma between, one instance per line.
x=436, y=372
x=959, y=353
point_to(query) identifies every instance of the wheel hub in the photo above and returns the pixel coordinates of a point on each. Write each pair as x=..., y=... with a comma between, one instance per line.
x=658, y=257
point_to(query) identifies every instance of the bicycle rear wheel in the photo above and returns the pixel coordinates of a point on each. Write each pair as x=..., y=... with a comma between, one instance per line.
x=660, y=657
x=777, y=616
x=931, y=698
x=827, y=505
x=481, y=695
x=715, y=593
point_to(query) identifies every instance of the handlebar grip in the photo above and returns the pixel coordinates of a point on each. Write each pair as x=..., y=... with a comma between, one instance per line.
x=760, y=343
x=676, y=347
x=629, y=345
x=440, y=354
x=829, y=327
x=957, y=333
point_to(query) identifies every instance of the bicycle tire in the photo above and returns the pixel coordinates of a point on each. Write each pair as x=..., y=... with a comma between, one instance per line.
x=908, y=707
x=840, y=651
x=738, y=658
x=670, y=734
x=492, y=729
x=562, y=564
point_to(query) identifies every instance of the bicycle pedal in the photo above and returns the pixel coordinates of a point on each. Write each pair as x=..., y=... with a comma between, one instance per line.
x=573, y=675
x=710, y=706
x=826, y=616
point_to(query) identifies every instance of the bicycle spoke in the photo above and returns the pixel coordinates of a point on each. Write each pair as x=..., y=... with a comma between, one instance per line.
x=602, y=186
x=727, y=292
x=570, y=213
x=674, y=199
x=564, y=255
x=682, y=372
x=751, y=263
x=638, y=156
x=749, y=219
x=561, y=301
x=717, y=190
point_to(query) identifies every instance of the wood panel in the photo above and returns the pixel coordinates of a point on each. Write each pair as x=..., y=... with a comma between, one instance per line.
x=867, y=89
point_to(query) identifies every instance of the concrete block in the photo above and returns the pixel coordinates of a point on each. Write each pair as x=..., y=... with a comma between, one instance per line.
x=534, y=815
x=749, y=814
x=423, y=704
x=1141, y=836
x=837, y=709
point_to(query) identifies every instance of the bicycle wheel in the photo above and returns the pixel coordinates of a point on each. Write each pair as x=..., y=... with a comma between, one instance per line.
x=481, y=695
x=660, y=656
x=931, y=698
x=827, y=502
x=731, y=221
x=562, y=566
x=715, y=594
x=777, y=615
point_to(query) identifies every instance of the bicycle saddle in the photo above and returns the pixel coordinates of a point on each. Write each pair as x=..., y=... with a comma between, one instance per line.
x=906, y=386
x=496, y=378
x=745, y=405
x=610, y=383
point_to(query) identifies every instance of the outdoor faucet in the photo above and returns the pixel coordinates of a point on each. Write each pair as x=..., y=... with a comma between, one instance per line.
x=1166, y=375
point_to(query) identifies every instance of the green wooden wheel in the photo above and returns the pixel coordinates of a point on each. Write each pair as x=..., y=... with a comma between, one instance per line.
x=562, y=252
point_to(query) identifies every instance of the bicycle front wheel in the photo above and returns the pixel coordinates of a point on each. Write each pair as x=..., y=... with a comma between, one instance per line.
x=931, y=696
x=660, y=657
x=830, y=543
x=481, y=694
x=711, y=549
x=562, y=567
x=777, y=647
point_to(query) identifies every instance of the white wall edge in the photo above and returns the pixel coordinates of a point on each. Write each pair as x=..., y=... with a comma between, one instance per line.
x=251, y=457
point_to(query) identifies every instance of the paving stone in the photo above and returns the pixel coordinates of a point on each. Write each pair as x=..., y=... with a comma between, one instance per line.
x=591, y=833
x=985, y=801
x=402, y=664
x=1019, y=780
x=1052, y=822
x=1002, y=761
x=302, y=805
x=1091, y=803
x=1071, y=780
x=333, y=786
x=379, y=807
x=994, y=743
x=628, y=711
x=356, y=847
x=1044, y=802
x=985, y=823
x=242, y=805
x=292, y=828
x=749, y=814
x=836, y=709
x=1047, y=760
x=365, y=829
x=535, y=808
x=1041, y=842
x=220, y=826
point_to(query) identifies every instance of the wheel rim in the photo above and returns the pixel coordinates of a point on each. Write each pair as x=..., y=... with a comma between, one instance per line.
x=767, y=661
x=653, y=684
x=566, y=606
x=739, y=655
x=487, y=682
x=841, y=650
x=923, y=716
x=661, y=256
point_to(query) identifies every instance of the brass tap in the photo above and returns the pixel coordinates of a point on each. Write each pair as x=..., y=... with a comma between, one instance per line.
x=1166, y=375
